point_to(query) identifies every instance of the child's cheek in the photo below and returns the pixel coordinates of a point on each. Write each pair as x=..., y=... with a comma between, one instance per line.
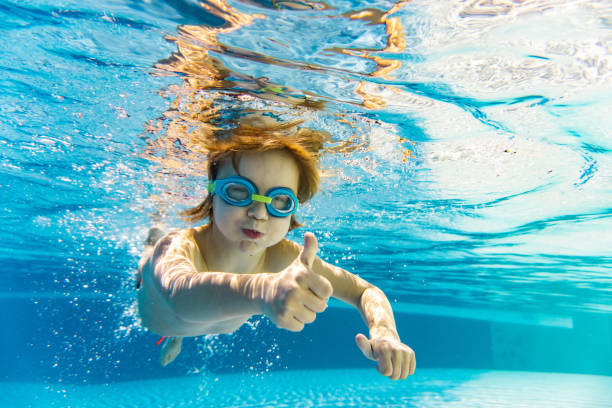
x=281, y=227
x=224, y=214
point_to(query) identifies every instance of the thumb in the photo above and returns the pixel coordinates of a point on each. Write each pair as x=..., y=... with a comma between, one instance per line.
x=364, y=345
x=309, y=252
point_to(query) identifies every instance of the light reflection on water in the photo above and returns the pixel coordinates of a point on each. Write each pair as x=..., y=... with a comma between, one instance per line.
x=469, y=176
x=479, y=174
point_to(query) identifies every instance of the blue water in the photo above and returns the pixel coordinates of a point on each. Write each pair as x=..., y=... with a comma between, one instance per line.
x=332, y=388
x=478, y=196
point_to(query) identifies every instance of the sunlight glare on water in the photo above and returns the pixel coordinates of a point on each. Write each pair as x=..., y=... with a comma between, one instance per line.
x=468, y=174
x=482, y=133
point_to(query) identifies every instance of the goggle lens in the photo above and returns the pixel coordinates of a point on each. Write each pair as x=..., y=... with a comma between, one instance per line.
x=282, y=203
x=239, y=191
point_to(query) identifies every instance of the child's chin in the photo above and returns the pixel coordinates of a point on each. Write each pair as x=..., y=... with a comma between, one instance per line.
x=251, y=247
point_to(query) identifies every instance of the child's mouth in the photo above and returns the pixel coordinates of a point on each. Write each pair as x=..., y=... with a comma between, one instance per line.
x=251, y=233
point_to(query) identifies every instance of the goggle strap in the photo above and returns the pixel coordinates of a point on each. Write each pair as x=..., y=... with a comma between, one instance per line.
x=212, y=186
x=261, y=199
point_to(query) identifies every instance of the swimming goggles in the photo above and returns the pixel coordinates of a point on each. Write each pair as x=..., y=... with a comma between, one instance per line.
x=241, y=192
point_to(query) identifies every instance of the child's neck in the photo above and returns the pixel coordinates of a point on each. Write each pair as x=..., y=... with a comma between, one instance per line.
x=222, y=256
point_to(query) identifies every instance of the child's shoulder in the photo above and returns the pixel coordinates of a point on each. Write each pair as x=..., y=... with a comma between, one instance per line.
x=287, y=246
x=177, y=239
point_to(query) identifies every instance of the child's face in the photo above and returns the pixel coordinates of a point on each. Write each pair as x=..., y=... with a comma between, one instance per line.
x=252, y=229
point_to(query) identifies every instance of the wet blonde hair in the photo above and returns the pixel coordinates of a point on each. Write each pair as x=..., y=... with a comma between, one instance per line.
x=259, y=133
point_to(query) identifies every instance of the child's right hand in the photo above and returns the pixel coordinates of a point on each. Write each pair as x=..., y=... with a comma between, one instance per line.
x=295, y=295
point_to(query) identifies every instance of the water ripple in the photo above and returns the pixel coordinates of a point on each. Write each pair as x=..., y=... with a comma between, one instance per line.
x=470, y=140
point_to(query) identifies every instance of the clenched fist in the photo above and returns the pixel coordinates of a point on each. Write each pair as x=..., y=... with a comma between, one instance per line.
x=294, y=296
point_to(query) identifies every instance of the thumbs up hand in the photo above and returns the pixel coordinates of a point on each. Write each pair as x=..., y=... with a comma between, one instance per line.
x=294, y=296
x=395, y=359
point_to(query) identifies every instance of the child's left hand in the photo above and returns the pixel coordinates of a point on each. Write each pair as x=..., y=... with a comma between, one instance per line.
x=395, y=359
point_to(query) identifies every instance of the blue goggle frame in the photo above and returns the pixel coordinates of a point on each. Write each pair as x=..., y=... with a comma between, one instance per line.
x=220, y=187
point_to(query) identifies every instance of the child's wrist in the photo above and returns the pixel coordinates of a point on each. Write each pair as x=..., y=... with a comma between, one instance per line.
x=259, y=288
x=380, y=332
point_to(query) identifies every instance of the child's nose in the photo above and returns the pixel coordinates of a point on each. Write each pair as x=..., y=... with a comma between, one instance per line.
x=258, y=210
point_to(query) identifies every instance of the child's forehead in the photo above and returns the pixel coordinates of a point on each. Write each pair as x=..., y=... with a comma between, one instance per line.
x=267, y=166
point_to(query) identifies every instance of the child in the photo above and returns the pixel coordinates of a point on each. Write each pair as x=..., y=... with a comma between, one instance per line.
x=211, y=279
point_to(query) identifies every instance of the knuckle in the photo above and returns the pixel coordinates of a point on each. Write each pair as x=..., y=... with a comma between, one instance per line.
x=295, y=286
x=292, y=297
x=300, y=277
x=284, y=317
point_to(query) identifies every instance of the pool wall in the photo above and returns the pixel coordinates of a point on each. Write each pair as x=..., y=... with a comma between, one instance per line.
x=54, y=340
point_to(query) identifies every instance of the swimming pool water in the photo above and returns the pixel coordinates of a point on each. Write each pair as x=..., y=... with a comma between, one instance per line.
x=331, y=388
x=478, y=198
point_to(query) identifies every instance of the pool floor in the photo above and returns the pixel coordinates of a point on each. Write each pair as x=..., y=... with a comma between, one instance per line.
x=327, y=388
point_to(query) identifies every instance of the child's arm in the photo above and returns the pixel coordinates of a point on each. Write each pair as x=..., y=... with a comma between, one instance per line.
x=176, y=300
x=395, y=359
